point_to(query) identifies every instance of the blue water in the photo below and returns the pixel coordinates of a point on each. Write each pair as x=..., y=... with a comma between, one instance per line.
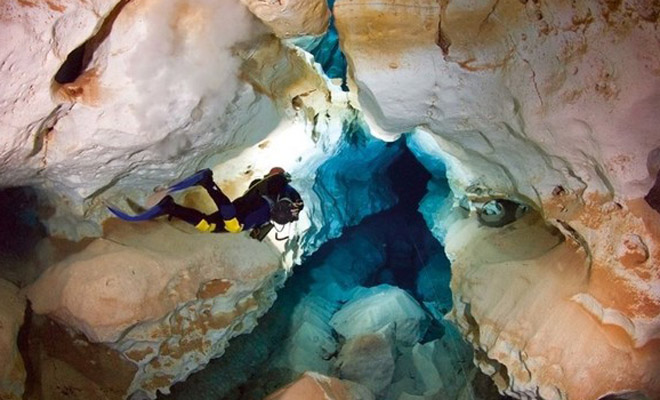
x=390, y=247
x=328, y=53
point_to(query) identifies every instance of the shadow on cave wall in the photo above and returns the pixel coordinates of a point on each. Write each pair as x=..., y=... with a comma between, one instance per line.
x=20, y=232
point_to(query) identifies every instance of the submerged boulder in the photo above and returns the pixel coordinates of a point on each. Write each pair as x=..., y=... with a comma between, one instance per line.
x=368, y=359
x=384, y=306
x=313, y=386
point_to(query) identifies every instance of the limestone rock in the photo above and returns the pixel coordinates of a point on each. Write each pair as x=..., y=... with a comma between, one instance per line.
x=12, y=370
x=478, y=76
x=167, y=300
x=632, y=251
x=150, y=92
x=313, y=386
x=290, y=18
x=437, y=369
x=572, y=135
x=64, y=364
x=310, y=343
x=50, y=121
x=373, y=309
x=368, y=360
x=542, y=317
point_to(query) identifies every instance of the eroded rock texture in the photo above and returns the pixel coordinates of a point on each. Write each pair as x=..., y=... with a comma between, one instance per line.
x=548, y=104
x=551, y=105
x=313, y=386
x=291, y=18
x=12, y=370
x=106, y=103
x=168, y=307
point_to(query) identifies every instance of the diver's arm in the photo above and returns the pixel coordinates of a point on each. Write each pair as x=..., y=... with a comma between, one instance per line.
x=292, y=194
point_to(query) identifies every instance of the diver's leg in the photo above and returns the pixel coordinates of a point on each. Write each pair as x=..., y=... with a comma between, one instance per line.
x=196, y=218
x=221, y=201
x=214, y=191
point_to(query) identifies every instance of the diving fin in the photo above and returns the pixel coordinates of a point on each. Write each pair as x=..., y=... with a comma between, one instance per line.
x=158, y=209
x=151, y=213
x=190, y=181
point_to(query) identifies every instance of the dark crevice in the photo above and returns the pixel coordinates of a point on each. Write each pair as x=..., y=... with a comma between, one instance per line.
x=72, y=67
x=20, y=233
x=78, y=60
x=20, y=229
x=625, y=396
x=653, y=196
x=23, y=343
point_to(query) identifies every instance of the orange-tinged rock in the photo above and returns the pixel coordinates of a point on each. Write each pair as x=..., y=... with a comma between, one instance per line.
x=545, y=318
x=289, y=18
x=165, y=299
x=313, y=386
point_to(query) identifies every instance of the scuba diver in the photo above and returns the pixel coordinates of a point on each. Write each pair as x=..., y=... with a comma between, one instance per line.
x=268, y=199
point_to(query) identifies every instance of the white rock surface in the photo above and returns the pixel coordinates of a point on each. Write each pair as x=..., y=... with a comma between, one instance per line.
x=310, y=343
x=384, y=306
x=496, y=88
x=436, y=369
x=526, y=301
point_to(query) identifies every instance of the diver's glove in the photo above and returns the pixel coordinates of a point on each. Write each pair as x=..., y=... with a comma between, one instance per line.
x=232, y=225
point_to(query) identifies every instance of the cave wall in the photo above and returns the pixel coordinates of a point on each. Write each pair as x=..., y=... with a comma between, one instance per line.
x=550, y=105
x=130, y=97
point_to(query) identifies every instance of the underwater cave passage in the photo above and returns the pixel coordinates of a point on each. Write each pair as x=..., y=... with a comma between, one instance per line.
x=327, y=52
x=20, y=232
x=366, y=307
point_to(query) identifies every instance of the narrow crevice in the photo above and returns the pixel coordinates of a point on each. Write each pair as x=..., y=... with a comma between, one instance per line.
x=653, y=196
x=327, y=52
x=24, y=347
x=625, y=396
x=78, y=60
x=441, y=39
x=390, y=250
x=73, y=66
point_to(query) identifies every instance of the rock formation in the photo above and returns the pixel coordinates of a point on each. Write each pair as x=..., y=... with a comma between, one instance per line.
x=549, y=106
x=313, y=386
x=167, y=306
x=12, y=370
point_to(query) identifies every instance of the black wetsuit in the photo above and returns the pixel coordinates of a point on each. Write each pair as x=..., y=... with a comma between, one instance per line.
x=251, y=210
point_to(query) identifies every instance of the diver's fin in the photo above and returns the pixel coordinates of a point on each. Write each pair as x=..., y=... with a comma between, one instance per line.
x=192, y=180
x=153, y=212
